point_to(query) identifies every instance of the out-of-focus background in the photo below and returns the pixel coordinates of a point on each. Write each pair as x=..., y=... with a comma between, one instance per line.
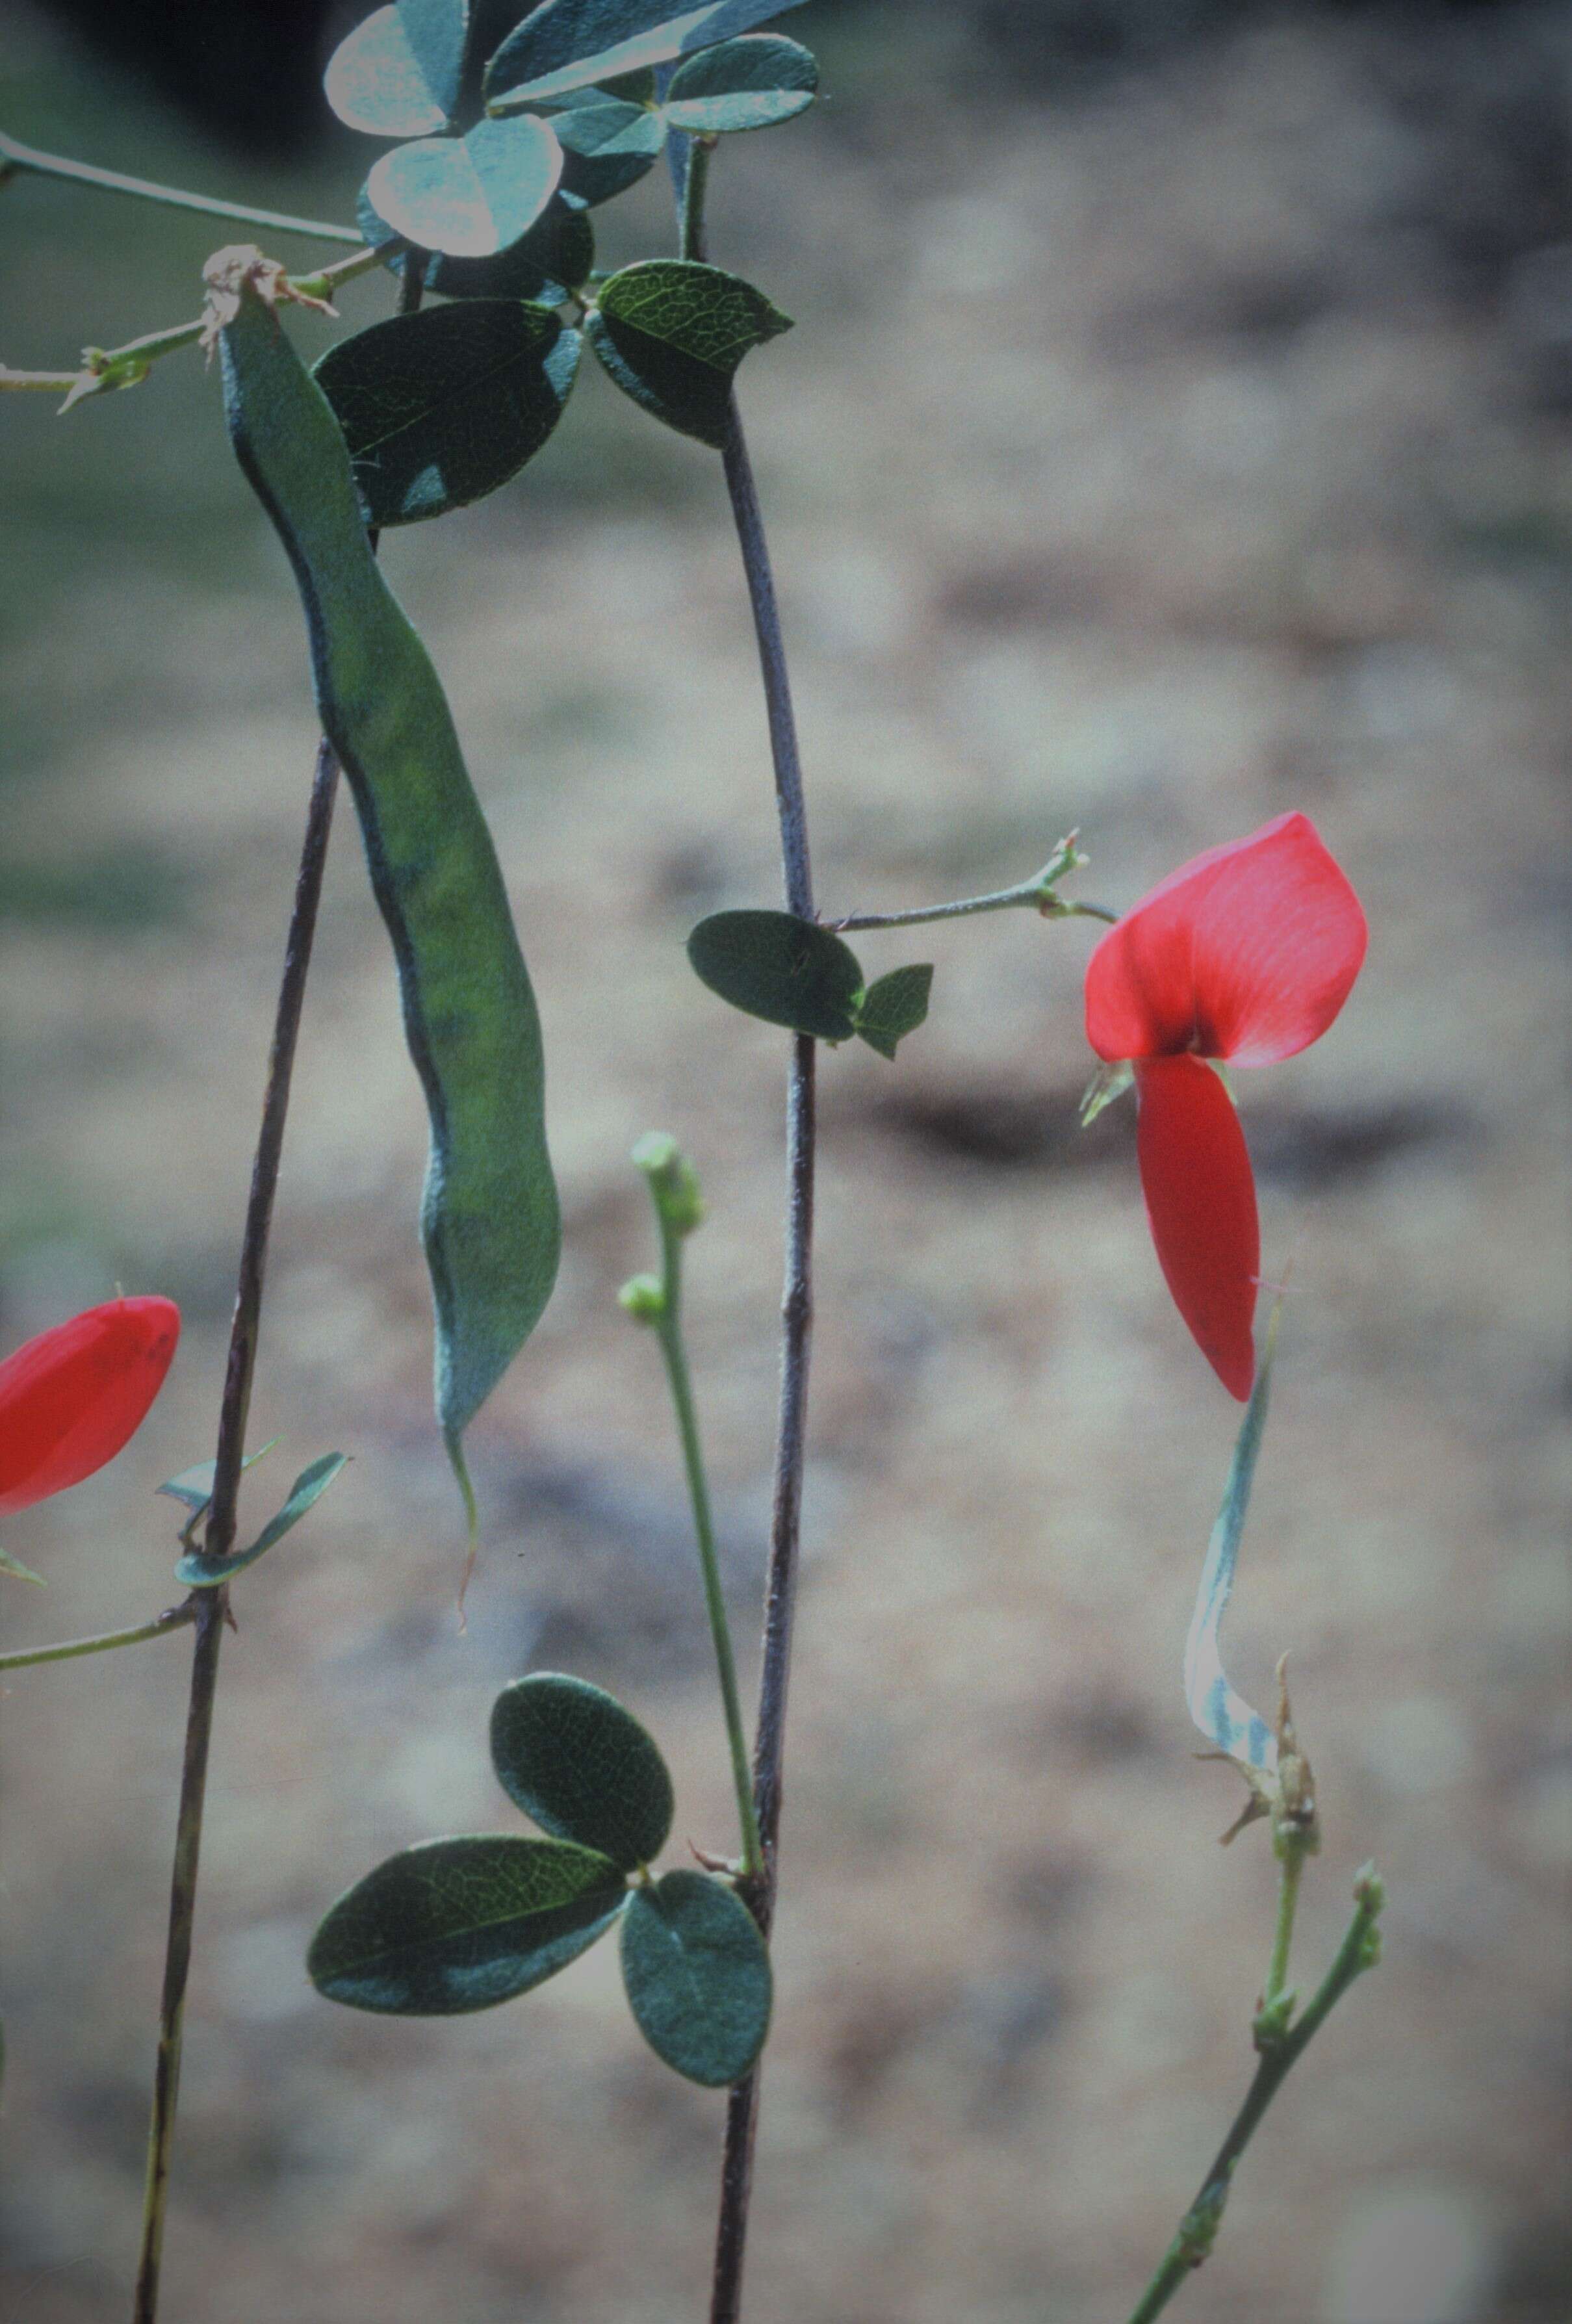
x=1174, y=432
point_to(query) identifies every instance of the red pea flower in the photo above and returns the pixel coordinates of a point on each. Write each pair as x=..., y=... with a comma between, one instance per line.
x=73, y=1397
x=1244, y=954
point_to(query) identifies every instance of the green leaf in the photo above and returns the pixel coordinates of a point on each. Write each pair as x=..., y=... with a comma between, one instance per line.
x=894, y=1006
x=200, y=1572
x=490, y=1217
x=582, y=1766
x=671, y=333
x=566, y=44
x=440, y=407
x=1225, y=1718
x=18, y=1571
x=435, y=30
x=607, y=146
x=747, y=83
x=544, y=267
x=461, y=1924
x=194, y=1487
x=469, y=196
x=697, y=1976
x=787, y=970
x=375, y=81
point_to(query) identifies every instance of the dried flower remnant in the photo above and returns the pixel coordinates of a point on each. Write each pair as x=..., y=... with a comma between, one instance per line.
x=1242, y=956
x=72, y=1397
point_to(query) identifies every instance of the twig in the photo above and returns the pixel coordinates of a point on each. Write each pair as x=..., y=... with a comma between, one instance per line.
x=176, y=1619
x=690, y=166
x=15, y=155
x=1280, y=2052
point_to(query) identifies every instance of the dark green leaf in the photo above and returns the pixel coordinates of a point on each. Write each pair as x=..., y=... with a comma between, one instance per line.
x=200, y=1572
x=607, y=146
x=582, y=1766
x=672, y=333
x=545, y=266
x=374, y=81
x=747, y=83
x=440, y=407
x=894, y=1006
x=568, y=43
x=468, y=196
x=784, y=970
x=697, y=1976
x=490, y=1217
x=461, y=1924
x=435, y=30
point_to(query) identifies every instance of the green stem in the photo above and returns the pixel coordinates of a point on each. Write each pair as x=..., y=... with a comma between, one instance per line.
x=1359, y=1950
x=13, y=156
x=124, y=366
x=691, y=208
x=1030, y=892
x=669, y=1331
x=176, y=1619
x=1294, y=1848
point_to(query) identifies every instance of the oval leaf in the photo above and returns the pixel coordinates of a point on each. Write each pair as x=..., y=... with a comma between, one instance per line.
x=566, y=44
x=200, y=1573
x=461, y=1924
x=894, y=1006
x=787, y=970
x=607, y=146
x=490, y=1216
x=439, y=408
x=582, y=1766
x=435, y=30
x=469, y=196
x=698, y=1977
x=374, y=81
x=671, y=333
x=747, y=83
x=544, y=267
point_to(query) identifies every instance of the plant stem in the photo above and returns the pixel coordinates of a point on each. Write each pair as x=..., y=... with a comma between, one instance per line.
x=176, y=1619
x=15, y=155
x=106, y=364
x=1030, y=892
x=1294, y=1847
x=212, y=1605
x=690, y=166
x=668, y=1330
x=1359, y=1950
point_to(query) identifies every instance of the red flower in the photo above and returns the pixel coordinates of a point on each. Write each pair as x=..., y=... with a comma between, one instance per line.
x=1245, y=953
x=71, y=1399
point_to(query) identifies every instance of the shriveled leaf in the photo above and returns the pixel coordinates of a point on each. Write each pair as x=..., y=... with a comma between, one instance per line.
x=894, y=1006
x=375, y=81
x=671, y=333
x=747, y=83
x=787, y=970
x=566, y=44
x=469, y=196
x=544, y=267
x=1225, y=1718
x=18, y=1571
x=490, y=1216
x=582, y=1766
x=460, y=1924
x=439, y=408
x=607, y=146
x=200, y=1572
x=698, y=1977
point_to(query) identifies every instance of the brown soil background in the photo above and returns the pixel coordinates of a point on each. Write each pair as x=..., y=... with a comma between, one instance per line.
x=1156, y=451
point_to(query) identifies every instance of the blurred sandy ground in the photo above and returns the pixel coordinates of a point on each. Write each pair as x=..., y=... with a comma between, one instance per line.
x=1154, y=453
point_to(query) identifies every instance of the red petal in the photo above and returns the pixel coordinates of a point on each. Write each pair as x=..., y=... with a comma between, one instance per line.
x=1246, y=952
x=73, y=1397
x=1201, y=1205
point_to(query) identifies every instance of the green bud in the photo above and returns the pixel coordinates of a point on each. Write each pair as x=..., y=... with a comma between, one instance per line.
x=672, y=1182
x=643, y=1299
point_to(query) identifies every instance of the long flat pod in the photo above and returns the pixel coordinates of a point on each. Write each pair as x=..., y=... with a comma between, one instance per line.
x=490, y=1215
